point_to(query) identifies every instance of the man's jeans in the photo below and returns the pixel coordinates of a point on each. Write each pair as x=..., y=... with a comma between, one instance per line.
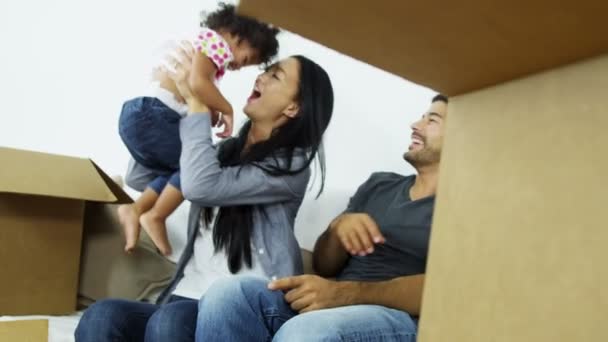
x=122, y=320
x=243, y=309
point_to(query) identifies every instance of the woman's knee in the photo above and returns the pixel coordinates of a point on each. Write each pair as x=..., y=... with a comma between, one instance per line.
x=232, y=308
x=231, y=291
x=104, y=318
x=175, y=321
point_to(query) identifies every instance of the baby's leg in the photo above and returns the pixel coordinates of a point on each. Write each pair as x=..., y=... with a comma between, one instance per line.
x=153, y=221
x=128, y=214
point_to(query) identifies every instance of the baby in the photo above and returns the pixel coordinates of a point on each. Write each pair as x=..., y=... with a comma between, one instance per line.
x=149, y=125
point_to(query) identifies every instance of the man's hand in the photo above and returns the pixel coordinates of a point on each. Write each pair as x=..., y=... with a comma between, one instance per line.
x=310, y=292
x=357, y=232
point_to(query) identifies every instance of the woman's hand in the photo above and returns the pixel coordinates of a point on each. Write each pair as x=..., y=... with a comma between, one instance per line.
x=183, y=65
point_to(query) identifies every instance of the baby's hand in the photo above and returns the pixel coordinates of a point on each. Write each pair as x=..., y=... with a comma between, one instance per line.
x=225, y=120
x=215, y=118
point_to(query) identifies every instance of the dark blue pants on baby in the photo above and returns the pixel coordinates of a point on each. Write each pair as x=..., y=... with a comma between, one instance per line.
x=150, y=130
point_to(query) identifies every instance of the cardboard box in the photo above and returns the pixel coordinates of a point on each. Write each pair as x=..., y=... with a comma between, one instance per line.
x=24, y=331
x=518, y=248
x=42, y=208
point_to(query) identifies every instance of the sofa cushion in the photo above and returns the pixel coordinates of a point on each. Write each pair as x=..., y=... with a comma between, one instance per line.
x=106, y=271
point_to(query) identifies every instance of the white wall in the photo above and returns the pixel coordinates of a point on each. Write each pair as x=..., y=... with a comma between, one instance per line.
x=66, y=66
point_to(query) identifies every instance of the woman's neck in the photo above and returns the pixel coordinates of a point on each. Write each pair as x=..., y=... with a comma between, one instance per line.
x=258, y=132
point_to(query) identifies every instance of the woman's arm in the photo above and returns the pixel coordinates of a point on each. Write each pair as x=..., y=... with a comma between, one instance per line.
x=204, y=182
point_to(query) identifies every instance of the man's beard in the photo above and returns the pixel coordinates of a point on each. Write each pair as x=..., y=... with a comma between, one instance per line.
x=426, y=156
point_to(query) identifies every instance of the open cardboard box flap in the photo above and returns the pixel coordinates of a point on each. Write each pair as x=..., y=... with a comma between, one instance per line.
x=451, y=46
x=36, y=173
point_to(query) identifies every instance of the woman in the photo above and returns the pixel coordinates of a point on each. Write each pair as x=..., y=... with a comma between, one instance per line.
x=252, y=185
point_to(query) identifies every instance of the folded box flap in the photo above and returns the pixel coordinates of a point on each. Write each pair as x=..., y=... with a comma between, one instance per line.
x=119, y=193
x=36, y=173
x=35, y=330
x=451, y=46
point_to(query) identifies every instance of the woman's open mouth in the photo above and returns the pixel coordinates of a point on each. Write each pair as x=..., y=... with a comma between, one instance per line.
x=254, y=95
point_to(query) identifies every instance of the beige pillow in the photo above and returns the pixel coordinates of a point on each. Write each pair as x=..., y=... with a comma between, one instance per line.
x=106, y=271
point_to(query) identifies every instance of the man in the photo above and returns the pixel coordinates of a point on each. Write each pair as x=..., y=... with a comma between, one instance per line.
x=376, y=251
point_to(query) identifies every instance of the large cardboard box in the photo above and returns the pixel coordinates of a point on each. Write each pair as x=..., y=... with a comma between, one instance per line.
x=518, y=244
x=518, y=250
x=42, y=208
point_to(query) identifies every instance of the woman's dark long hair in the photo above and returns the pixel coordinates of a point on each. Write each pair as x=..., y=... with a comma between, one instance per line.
x=301, y=134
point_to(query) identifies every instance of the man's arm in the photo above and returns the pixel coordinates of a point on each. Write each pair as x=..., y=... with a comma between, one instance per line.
x=329, y=257
x=311, y=292
x=403, y=293
x=349, y=233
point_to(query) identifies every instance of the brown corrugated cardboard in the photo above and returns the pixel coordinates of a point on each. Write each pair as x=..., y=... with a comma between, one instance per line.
x=24, y=331
x=28, y=172
x=518, y=250
x=42, y=206
x=450, y=46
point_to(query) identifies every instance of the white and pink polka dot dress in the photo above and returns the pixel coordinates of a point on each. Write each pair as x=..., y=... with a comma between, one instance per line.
x=216, y=48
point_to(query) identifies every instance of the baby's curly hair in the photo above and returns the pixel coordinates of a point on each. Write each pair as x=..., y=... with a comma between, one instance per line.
x=261, y=36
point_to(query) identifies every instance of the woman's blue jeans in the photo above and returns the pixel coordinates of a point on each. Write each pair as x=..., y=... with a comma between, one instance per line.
x=122, y=320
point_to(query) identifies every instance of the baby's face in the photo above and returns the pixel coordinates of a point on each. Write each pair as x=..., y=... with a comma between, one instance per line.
x=244, y=55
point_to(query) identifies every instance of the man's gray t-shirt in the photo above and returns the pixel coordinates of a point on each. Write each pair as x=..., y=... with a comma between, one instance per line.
x=405, y=224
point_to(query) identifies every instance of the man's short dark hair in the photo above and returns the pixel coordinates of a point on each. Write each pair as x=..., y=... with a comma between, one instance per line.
x=440, y=97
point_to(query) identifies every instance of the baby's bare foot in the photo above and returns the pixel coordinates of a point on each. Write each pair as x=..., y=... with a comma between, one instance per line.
x=129, y=218
x=154, y=225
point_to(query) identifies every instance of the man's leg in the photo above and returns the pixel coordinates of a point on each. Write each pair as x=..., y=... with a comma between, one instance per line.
x=175, y=321
x=114, y=320
x=349, y=323
x=241, y=309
